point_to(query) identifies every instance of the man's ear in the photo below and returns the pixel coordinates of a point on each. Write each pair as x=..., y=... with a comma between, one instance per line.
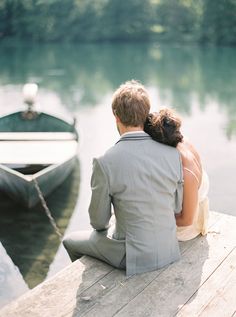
x=117, y=119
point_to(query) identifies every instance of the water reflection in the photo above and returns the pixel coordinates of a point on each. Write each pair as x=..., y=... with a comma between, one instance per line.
x=83, y=74
x=28, y=236
x=12, y=283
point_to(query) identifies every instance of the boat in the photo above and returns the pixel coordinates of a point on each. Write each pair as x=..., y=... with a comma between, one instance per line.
x=38, y=151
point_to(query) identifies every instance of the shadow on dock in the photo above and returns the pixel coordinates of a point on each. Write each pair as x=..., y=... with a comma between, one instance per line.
x=27, y=234
x=158, y=293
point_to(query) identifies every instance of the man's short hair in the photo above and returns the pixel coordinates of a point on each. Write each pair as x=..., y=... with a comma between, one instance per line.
x=131, y=104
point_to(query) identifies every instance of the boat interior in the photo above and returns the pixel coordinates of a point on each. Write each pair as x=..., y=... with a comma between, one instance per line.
x=27, y=169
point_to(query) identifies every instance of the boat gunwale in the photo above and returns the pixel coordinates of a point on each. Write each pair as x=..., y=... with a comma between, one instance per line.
x=64, y=118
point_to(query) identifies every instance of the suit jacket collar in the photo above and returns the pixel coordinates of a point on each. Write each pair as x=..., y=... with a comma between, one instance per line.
x=135, y=136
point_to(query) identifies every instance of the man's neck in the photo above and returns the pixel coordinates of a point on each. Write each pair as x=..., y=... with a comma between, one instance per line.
x=124, y=129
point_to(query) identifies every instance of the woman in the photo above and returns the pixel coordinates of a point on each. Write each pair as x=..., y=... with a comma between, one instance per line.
x=164, y=127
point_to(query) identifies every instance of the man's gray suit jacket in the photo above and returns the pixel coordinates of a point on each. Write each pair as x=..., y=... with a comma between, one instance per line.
x=142, y=179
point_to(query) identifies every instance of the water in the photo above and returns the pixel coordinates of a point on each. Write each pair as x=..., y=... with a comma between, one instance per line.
x=198, y=82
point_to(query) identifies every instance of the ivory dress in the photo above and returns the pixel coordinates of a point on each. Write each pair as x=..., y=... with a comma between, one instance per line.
x=200, y=222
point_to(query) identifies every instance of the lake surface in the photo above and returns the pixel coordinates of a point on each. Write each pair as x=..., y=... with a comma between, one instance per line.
x=198, y=82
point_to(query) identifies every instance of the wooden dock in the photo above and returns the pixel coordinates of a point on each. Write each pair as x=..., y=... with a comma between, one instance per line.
x=202, y=283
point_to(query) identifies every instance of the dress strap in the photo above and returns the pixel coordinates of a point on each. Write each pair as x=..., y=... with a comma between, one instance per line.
x=187, y=169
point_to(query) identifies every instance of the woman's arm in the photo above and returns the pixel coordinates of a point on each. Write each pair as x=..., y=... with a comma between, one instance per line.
x=190, y=200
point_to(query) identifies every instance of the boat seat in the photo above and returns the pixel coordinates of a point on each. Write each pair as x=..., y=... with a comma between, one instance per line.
x=37, y=136
x=37, y=151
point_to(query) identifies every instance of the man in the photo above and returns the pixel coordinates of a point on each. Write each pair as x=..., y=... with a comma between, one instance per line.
x=142, y=180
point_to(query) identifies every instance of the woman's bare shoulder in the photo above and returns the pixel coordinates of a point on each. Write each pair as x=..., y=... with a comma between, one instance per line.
x=189, y=151
x=191, y=161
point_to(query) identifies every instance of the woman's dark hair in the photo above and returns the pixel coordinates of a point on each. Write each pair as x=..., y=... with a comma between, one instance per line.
x=164, y=127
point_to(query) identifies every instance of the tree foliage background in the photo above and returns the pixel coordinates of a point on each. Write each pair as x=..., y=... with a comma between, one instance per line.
x=202, y=21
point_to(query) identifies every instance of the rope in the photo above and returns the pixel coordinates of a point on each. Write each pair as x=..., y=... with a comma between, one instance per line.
x=46, y=209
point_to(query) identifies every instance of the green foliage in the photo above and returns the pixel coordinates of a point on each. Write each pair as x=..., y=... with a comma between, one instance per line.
x=178, y=19
x=128, y=20
x=206, y=21
x=219, y=22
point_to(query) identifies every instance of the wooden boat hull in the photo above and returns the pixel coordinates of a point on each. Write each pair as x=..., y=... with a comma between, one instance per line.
x=44, y=141
x=23, y=190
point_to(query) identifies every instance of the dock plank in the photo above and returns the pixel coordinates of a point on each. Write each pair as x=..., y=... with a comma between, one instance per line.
x=166, y=294
x=217, y=296
x=57, y=296
x=89, y=287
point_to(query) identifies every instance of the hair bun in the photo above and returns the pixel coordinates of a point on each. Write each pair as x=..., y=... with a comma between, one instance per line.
x=164, y=127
